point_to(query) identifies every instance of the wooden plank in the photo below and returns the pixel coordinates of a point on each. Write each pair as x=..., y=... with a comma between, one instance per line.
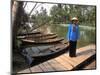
x=48, y=66
x=65, y=64
x=82, y=55
x=78, y=59
x=71, y=62
x=69, y=58
x=36, y=69
x=56, y=65
x=25, y=71
x=81, y=51
x=43, y=67
x=82, y=58
x=91, y=65
x=60, y=65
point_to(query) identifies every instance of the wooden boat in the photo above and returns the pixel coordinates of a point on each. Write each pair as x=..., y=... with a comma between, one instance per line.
x=30, y=33
x=41, y=41
x=43, y=51
x=41, y=36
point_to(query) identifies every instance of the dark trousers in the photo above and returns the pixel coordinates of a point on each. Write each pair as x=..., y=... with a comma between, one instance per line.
x=72, y=48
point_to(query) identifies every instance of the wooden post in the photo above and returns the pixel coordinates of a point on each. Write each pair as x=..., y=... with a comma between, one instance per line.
x=17, y=11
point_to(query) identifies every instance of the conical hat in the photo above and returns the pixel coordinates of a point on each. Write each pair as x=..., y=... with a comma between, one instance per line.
x=74, y=18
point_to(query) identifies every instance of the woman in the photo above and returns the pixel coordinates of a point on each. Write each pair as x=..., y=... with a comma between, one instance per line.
x=73, y=36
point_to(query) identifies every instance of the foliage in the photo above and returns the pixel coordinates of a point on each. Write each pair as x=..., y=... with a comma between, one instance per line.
x=61, y=13
x=40, y=18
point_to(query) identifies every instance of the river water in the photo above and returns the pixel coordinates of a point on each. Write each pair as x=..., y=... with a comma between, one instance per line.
x=87, y=34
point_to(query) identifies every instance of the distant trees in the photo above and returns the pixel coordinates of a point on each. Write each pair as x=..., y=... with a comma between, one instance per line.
x=40, y=18
x=58, y=14
x=61, y=13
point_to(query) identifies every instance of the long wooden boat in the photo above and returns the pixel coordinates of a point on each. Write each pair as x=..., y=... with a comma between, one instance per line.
x=43, y=51
x=29, y=33
x=41, y=36
x=41, y=41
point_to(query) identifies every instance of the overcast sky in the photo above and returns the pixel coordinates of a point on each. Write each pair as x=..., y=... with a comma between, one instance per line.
x=30, y=5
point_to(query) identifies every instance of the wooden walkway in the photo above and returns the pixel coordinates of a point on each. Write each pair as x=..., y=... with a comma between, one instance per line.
x=64, y=62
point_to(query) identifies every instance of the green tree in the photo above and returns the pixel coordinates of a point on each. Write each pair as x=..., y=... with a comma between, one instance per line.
x=40, y=18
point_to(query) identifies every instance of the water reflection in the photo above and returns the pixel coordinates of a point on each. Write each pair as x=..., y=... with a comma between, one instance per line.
x=87, y=34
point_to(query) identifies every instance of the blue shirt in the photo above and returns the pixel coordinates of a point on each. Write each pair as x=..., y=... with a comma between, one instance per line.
x=73, y=35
